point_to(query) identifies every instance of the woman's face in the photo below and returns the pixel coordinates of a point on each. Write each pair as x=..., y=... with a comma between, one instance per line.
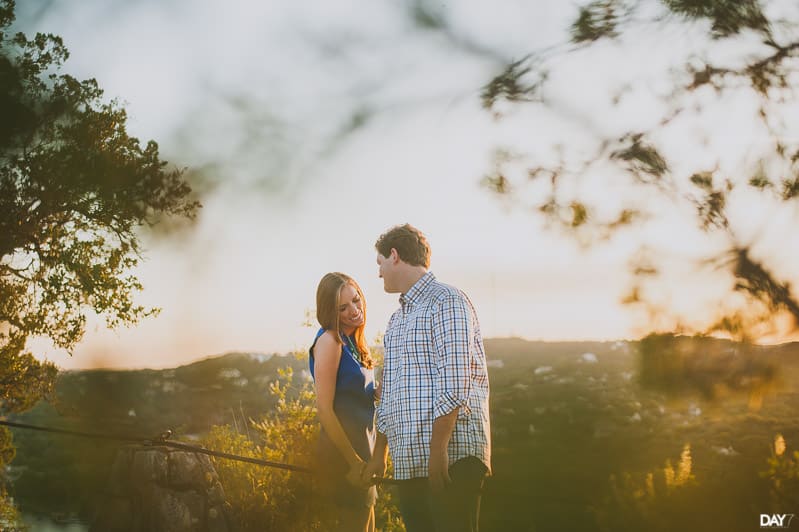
x=350, y=309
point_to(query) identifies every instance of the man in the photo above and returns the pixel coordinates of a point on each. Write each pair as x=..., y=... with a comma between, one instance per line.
x=433, y=412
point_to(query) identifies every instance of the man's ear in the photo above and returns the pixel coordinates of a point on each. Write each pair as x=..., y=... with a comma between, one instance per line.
x=394, y=255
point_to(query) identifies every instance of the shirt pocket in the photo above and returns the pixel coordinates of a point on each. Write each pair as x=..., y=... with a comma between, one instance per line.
x=418, y=347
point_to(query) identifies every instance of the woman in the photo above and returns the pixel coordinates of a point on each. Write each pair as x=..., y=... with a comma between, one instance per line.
x=341, y=366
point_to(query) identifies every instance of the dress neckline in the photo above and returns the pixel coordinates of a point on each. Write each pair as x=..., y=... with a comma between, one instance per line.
x=352, y=348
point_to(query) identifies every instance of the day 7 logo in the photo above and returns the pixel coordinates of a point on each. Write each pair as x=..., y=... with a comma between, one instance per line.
x=775, y=520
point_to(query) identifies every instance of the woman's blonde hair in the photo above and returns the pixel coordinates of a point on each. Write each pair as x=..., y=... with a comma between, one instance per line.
x=327, y=302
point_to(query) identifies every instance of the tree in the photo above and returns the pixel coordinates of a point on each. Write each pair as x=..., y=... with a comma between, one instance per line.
x=618, y=165
x=74, y=189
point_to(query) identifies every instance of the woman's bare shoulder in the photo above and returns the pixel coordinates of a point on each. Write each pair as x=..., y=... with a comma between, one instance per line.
x=327, y=342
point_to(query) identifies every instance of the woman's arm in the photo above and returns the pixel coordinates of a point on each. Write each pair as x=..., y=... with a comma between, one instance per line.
x=327, y=355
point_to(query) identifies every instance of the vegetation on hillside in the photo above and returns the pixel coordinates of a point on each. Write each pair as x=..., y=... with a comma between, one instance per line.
x=584, y=439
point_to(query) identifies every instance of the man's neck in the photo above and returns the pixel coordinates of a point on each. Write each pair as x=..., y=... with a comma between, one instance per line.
x=412, y=277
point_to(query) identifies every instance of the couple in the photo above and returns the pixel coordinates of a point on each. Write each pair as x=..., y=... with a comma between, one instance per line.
x=432, y=411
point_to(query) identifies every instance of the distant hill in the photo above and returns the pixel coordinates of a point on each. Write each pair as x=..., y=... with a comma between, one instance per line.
x=191, y=398
x=187, y=399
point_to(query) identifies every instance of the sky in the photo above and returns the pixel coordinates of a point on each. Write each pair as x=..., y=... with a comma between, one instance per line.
x=309, y=128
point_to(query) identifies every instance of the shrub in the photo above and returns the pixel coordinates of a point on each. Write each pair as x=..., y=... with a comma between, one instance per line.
x=270, y=499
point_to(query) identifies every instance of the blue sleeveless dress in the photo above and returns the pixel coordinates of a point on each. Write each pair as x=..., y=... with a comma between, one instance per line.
x=354, y=405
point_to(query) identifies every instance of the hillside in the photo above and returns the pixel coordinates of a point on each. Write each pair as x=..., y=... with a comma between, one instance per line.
x=187, y=399
x=60, y=475
x=578, y=427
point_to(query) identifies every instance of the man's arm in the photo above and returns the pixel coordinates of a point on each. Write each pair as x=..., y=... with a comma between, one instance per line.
x=438, y=470
x=452, y=330
x=376, y=466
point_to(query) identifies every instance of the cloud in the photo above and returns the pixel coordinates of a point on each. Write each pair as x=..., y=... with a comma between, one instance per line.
x=260, y=95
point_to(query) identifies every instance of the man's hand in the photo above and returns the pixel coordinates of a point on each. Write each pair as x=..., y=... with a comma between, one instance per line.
x=438, y=470
x=354, y=475
x=375, y=467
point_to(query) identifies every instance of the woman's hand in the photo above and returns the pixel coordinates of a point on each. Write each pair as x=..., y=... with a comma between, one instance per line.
x=355, y=475
x=376, y=467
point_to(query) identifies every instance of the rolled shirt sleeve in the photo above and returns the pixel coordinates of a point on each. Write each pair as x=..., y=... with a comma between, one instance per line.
x=380, y=409
x=380, y=418
x=452, y=333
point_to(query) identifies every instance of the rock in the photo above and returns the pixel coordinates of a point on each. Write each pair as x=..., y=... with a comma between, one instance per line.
x=149, y=465
x=161, y=489
x=185, y=470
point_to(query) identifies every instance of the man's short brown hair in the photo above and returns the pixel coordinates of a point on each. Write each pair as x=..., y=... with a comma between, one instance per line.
x=410, y=243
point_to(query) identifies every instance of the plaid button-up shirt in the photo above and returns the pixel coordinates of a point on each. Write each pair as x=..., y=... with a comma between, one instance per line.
x=434, y=363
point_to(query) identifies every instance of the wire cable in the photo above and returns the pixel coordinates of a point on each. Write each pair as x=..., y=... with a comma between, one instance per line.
x=163, y=440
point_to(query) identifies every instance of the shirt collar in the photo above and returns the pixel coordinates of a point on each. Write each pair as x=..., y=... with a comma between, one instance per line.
x=414, y=293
